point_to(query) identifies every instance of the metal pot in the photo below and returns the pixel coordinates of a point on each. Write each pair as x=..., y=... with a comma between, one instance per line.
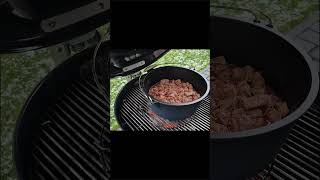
x=286, y=67
x=174, y=111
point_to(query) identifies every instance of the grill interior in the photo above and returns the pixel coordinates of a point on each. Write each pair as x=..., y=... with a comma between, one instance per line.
x=132, y=114
x=69, y=146
x=299, y=156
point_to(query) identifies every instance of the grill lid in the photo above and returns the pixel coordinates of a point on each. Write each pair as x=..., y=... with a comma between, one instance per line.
x=28, y=25
x=128, y=61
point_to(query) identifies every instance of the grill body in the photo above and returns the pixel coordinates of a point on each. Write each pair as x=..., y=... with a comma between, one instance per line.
x=59, y=132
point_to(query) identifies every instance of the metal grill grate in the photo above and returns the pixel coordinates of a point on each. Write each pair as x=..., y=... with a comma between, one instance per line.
x=68, y=147
x=135, y=117
x=299, y=157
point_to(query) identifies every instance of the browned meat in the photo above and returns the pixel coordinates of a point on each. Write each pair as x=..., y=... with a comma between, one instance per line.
x=244, y=89
x=257, y=80
x=273, y=115
x=255, y=113
x=256, y=101
x=173, y=91
x=241, y=100
x=219, y=127
x=282, y=108
x=238, y=74
x=258, y=91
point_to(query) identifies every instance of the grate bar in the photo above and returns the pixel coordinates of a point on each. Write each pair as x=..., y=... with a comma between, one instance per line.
x=287, y=176
x=81, y=118
x=305, y=142
x=145, y=126
x=307, y=124
x=311, y=134
x=297, y=167
x=68, y=154
x=46, y=168
x=78, y=154
x=292, y=156
x=84, y=129
x=76, y=133
x=85, y=112
x=301, y=147
x=51, y=162
x=312, y=119
x=59, y=157
x=91, y=101
x=292, y=171
x=315, y=111
x=92, y=93
x=302, y=154
x=93, y=86
x=103, y=111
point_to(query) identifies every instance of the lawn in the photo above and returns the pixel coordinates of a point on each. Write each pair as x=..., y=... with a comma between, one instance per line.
x=199, y=59
x=285, y=13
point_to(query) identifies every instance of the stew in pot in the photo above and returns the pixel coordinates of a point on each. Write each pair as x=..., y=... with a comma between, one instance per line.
x=241, y=98
x=173, y=91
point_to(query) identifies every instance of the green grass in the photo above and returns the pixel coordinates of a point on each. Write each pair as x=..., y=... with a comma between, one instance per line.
x=285, y=14
x=199, y=59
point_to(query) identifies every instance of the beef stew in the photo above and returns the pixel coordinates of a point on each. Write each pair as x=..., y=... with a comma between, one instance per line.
x=241, y=98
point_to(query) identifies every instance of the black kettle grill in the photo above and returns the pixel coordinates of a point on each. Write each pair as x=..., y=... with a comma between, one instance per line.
x=62, y=131
x=136, y=112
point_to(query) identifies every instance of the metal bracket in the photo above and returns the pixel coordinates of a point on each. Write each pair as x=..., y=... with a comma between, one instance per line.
x=83, y=42
x=133, y=66
x=74, y=16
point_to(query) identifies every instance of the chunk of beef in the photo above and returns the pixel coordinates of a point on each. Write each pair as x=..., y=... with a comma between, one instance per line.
x=256, y=101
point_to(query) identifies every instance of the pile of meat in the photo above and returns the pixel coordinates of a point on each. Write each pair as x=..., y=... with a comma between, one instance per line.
x=173, y=91
x=241, y=99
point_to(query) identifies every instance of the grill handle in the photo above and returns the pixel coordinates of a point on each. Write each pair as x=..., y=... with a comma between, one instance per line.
x=150, y=101
x=256, y=19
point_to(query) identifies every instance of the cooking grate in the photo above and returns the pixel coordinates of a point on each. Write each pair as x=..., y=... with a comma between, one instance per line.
x=299, y=157
x=68, y=147
x=133, y=114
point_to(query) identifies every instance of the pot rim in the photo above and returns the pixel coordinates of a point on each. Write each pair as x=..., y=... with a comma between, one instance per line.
x=180, y=104
x=304, y=106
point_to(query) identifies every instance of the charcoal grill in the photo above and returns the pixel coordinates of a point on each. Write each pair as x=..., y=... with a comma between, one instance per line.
x=133, y=112
x=66, y=136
